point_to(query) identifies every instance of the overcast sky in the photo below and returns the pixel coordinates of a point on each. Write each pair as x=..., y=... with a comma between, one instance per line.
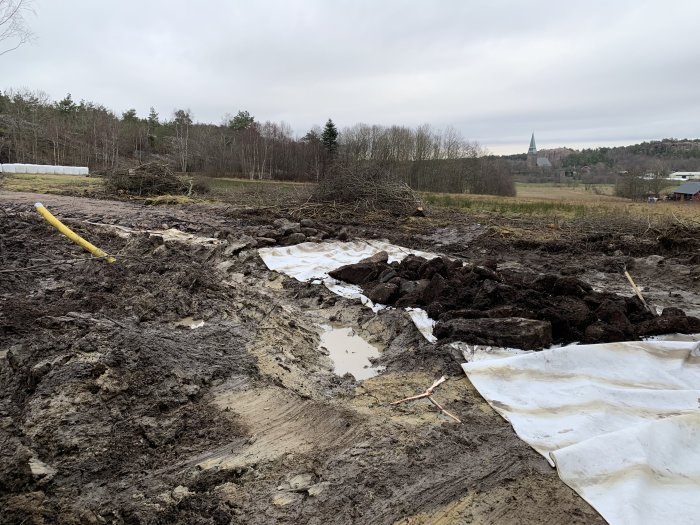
x=576, y=73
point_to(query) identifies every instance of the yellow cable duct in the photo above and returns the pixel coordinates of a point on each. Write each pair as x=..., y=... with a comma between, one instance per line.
x=46, y=214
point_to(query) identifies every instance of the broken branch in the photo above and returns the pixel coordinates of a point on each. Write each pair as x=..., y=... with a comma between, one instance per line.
x=428, y=394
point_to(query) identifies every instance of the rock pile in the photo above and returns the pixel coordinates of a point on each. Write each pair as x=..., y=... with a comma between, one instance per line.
x=482, y=304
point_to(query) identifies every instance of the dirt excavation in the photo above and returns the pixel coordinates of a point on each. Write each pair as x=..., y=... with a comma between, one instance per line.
x=187, y=383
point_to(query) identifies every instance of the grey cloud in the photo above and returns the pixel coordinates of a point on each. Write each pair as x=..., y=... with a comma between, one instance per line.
x=595, y=72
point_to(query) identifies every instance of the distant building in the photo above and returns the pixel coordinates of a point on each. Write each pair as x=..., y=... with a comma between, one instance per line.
x=690, y=191
x=684, y=175
x=533, y=161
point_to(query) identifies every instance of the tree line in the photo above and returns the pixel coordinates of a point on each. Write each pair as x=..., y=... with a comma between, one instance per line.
x=34, y=129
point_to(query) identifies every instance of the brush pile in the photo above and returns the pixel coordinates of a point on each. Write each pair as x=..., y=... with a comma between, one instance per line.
x=369, y=187
x=152, y=178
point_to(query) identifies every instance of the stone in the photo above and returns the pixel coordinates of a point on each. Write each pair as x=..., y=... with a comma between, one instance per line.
x=236, y=245
x=266, y=241
x=40, y=470
x=295, y=238
x=669, y=324
x=359, y=273
x=379, y=257
x=382, y=293
x=285, y=227
x=600, y=332
x=317, y=489
x=309, y=232
x=568, y=285
x=406, y=286
x=179, y=493
x=431, y=267
x=515, y=332
x=486, y=273
x=387, y=275
x=300, y=482
x=286, y=498
x=307, y=223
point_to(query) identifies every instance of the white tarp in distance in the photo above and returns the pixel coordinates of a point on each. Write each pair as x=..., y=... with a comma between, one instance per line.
x=620, y=421
x=44, y=169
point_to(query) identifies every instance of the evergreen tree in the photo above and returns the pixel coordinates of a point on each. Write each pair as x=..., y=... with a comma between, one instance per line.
x=130, y=115
x=66, y=106
x=243, y=120
x=153, y=118
x=329, y=137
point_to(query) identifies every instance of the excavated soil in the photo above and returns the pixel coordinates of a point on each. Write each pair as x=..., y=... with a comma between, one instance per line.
x=114, y=410
x=507, y=307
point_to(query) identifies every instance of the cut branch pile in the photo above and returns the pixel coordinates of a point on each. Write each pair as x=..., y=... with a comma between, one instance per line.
x=153, y=178
x=367, y=186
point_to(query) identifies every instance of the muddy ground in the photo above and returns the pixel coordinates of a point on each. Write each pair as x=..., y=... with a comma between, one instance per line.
x=110, y=412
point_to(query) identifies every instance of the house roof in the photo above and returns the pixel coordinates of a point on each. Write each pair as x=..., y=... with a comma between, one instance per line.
x=543, y=162
x=689, y=188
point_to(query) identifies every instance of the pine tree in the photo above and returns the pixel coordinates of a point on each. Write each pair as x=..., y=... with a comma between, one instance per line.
x=153, y=118
x=329, y=137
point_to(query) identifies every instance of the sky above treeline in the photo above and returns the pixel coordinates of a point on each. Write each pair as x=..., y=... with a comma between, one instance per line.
x=578, y=74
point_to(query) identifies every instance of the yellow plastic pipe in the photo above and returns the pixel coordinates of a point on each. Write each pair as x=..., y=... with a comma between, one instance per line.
x=77, y=239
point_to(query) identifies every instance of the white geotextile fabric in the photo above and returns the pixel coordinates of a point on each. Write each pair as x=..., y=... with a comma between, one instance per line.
x=311, y=261
x=44, y=169
x=620, y=421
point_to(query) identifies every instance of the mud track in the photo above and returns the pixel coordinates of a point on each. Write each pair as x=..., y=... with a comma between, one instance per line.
x=112, y=413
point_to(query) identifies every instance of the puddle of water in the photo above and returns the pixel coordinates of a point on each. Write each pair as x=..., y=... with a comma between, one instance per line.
x=190, y=322
x=349, y=352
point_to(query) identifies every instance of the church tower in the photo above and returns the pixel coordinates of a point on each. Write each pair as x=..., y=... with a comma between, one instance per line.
x=532, y=153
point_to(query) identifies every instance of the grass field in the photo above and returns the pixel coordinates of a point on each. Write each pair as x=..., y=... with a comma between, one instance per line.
x=41, y=183
x=532, y=199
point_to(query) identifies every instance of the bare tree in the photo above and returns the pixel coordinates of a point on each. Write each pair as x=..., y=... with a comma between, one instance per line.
x=182, y=123
x=13, y=27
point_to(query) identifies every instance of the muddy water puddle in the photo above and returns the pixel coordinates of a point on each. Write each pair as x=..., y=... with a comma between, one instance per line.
x=349, y=352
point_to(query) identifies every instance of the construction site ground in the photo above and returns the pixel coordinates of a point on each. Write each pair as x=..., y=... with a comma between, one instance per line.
x=114, y=410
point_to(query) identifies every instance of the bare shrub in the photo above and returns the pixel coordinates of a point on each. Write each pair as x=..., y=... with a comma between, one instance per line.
x=368, y=186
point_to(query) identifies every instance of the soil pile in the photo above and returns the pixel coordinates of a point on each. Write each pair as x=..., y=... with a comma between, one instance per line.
x=482, y=304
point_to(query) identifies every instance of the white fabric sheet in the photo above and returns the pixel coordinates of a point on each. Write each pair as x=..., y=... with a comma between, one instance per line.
x=620, y=421
x=44, y=169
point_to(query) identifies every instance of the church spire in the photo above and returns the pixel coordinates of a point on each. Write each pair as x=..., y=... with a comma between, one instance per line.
x=533, y=148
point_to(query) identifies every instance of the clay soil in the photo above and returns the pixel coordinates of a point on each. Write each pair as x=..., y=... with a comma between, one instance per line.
x=111, y=411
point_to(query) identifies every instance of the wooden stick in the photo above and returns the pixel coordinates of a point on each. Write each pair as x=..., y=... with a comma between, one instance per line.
x=639, y=293
x=428, y=393
x=443, y=410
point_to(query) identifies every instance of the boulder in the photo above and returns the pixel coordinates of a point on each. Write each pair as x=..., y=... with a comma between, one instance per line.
x=516, y=332
x=664, y=324
x=359, y=273
x=379, y=257
x=382, y=293
x=600, y=332
x=295, y=238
